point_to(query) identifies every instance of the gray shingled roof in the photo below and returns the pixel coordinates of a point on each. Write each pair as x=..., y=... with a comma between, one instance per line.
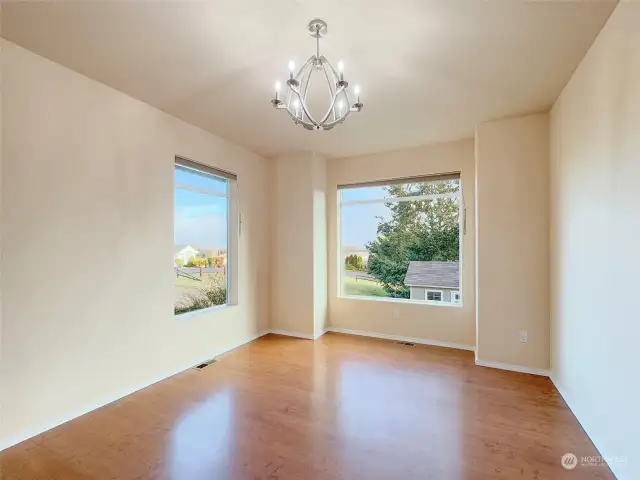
x=433, y=274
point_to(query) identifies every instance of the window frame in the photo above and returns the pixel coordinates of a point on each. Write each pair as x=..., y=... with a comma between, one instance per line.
x=455, y=292
x=454, y=175
x=233, y=224
x=427, y=291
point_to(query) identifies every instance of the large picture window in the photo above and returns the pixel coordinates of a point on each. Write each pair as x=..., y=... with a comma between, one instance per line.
x=401, y=239
x=202, y=201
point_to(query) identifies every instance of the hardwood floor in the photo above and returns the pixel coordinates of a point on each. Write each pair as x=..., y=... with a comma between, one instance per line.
x=341, y=407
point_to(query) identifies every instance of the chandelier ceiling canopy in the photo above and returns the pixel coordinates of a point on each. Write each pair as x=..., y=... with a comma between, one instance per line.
x=296, y=99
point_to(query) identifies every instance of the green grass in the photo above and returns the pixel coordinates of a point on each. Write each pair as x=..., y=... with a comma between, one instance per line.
x=361, y=287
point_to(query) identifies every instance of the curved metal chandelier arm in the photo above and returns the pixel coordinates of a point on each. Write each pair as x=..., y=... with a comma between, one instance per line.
x=304, y=123
x=333, y=70
x=302, y=69
x=330, y=85
x=333, y=103
x=303, y=104
x=340, y=119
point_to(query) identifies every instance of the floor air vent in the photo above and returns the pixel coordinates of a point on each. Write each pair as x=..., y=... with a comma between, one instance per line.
x=205, y=364
x=406, y=344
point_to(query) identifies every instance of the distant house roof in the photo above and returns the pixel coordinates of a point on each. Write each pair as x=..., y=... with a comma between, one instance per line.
x=179, y=248
x=433, y=274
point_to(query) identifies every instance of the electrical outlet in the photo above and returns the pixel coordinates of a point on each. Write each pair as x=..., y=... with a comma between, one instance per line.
x=396, y=314
x=524, y=336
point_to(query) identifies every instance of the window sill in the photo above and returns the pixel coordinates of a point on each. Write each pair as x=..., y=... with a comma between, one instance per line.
x=401, y=301
x=203, y=311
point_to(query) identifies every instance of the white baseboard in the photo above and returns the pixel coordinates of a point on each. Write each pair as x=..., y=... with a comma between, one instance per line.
x=398, y=338
x=318, y=335
x=513, y=368
x=288, y=333
x=21, y=437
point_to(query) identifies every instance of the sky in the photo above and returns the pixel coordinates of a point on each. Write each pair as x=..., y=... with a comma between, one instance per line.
x=359, y=222
x=200, y=220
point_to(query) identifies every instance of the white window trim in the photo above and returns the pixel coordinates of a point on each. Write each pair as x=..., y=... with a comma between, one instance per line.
x=233, y=226
x=205, y=191
x=415, y=198
x=429, y=290
x=462, y=221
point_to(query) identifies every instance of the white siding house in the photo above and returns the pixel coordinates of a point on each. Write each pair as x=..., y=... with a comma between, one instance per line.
x=434, y=281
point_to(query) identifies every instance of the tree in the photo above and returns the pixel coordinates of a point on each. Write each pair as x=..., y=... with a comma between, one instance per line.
x=216, y=262
x=179, y=262
x=200, y=263
x=191, y=262
x=354, y=262
x=417, y=230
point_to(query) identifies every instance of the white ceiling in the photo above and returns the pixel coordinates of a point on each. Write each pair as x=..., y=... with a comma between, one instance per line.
x=429, y=69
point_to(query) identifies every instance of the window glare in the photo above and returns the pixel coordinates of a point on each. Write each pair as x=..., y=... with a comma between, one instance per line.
x=399, y=190
x=196, y=178
x=363, y=193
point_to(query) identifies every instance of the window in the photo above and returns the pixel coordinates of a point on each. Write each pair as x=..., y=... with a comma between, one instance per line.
x=401, y=239
x=203, y=206
x=455, y=296
x=434, y=295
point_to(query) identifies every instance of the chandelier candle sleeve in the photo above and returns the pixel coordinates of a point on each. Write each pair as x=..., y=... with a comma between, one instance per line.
x=277, y=90
x=296, y=103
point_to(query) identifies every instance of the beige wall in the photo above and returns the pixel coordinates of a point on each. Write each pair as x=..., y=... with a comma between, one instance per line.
x=512, y=214
x=292, y=247
x=299, y=247
x=595, y=235
x=87, y=276
x=447, y=324
x=320, y=299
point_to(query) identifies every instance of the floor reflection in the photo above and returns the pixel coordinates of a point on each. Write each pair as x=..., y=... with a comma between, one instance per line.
x=383, y=409
x=203, y=440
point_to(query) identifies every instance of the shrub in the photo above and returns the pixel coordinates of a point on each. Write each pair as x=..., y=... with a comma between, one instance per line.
x=200, y=263
x=180, y=262
x=215, y=289
x=190, y=262
x=211, y=292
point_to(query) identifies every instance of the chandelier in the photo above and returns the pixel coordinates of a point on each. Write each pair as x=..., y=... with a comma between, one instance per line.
x=296, y=104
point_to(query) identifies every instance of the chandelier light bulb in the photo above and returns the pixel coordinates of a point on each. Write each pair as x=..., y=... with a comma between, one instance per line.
x=292, y=66
x=356, y=90
x=277, y=86
x=341, y=66
x=340, y=105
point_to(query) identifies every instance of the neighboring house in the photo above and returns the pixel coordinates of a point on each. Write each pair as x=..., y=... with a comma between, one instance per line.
x=434, y=281
x=185, y=252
